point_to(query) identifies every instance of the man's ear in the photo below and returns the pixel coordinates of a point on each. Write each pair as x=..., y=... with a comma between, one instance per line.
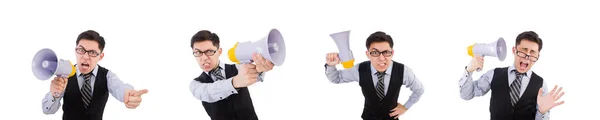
x=220, y=50
x=514, y=50
x=101, y=56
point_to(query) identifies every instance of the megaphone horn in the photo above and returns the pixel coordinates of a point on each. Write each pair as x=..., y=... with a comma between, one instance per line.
x=342, y=40
x=271, y=47
x=45, y=64
x=496, y=49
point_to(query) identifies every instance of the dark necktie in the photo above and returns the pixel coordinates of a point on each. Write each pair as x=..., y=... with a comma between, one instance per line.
x=515, y=88
x=217, y=73
x=379, y=86
x=86, y=91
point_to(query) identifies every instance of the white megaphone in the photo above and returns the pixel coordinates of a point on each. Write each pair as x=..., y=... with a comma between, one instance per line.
x=496, y=49
x=271, y=47
x=45, y=64
x=342, y=40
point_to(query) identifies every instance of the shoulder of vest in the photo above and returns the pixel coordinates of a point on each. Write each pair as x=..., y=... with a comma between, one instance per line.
x=203, y=78
x=100, y=68
x=102, y=71
x=397, y=63
x=533, y=75
x=500, y=69
x=364, y=64
x=229, y=65
x=74, y=77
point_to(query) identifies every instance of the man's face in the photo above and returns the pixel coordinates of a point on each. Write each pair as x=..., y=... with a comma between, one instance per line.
x=380, y=54
x=526, y=54
x=207, y=55
x=88, y=54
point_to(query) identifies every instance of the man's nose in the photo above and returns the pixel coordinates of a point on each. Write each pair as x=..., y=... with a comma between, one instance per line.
x=381, y=57
x=204, y=57
x=86, y=56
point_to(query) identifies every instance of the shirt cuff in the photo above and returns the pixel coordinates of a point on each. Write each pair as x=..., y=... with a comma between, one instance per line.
x=51, y=100
x=50, y=97
x=465, y=77
x=330, y=68
x=407, y=105
x=542, y=116
x=261, y=76
x=228, y=85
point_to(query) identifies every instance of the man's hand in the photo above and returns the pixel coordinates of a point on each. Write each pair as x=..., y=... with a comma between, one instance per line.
x=476, y=63
x=247, y=75
x=133, y=98
x=262, y=65
x=545, y=103
x=332, y=59
x=399, y=110
x=57, y=86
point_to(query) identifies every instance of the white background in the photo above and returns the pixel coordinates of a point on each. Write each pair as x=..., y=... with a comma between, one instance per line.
x=148, y=46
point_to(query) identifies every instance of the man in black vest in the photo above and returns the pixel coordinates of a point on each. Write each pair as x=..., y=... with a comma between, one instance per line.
x=517, y=92
x=85, y=94
x=380, y=79
x=223, y=88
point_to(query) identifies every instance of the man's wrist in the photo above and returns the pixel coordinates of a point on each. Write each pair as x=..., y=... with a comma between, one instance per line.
x=232, y=83
x=546, y=111
x=54, y=98
x=327, y=65
x=467, y=69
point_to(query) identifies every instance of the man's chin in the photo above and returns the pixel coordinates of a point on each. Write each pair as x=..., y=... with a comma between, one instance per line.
x=85, y=72
x=522, y=70
x=82, y=69
x=381, y=69
x=205, y=69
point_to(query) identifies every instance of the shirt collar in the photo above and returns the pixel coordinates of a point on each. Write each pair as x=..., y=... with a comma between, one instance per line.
x=512, y=67
x=387, y=71
x=94, y=72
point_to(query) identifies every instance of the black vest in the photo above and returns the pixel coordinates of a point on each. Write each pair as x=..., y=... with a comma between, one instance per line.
x=73, y=105
x=375, y=109
x=235, y=107
x=500, y=105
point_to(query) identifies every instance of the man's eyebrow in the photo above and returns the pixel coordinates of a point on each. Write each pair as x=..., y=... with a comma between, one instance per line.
x=533, y=51
x=196, y=49
x=524, y=49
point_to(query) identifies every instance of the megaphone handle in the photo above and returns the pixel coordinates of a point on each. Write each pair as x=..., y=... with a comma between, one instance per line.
x=479, y=69
x=63, y=76
x=249, y=62
x=246, y=62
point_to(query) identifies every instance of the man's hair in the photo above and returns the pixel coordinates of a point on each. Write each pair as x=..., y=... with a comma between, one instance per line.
x=93, y=36
x=379, y=37
x=205, y=35
x=529, y=36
